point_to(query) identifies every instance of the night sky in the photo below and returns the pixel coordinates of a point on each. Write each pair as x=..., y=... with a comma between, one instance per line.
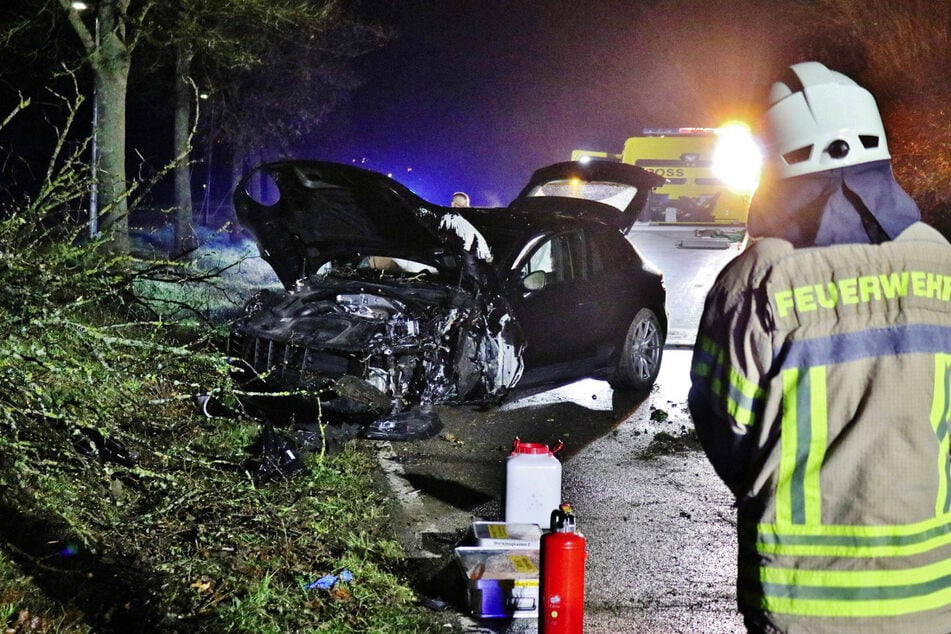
x=474, y=95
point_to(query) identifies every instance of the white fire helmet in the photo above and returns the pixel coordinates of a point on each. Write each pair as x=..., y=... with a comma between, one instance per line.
x=820, y=119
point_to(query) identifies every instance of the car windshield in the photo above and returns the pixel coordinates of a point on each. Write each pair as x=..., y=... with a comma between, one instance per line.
x=379, y=264
x=618, y=195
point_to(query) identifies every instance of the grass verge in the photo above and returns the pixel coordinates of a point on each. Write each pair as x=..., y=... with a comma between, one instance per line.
x=125, y=510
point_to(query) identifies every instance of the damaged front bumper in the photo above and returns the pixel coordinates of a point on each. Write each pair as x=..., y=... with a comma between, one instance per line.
x=354, y=351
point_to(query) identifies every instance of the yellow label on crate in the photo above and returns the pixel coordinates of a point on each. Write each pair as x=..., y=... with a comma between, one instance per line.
x=498, y=531
x=523, y=563
x=526, y=583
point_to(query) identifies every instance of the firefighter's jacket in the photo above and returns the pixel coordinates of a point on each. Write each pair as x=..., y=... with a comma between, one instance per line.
x=821, y=392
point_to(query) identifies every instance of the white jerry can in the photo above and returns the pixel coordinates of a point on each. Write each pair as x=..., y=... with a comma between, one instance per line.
x=532, y=483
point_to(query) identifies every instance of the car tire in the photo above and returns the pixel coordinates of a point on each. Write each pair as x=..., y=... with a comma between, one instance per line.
x=641, y=353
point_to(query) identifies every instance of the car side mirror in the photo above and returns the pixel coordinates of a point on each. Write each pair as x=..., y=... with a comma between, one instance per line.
x=534, y=281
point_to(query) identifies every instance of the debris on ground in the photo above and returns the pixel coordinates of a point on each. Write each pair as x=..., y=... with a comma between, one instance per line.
x=658, y=415
x=711, y=239
x=733, y=236
x=416, y=424
x=328, y=582
x=451, y=438
x=704, y=243
x=665, y=443
x=280, y=453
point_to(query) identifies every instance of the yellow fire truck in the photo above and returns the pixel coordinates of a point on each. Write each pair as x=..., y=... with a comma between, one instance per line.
x=711, y=173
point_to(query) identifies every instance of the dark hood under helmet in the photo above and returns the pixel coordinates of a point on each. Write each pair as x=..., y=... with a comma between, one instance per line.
x=858, y=204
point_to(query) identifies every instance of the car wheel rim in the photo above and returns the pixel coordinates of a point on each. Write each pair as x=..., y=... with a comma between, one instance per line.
x=645, y=349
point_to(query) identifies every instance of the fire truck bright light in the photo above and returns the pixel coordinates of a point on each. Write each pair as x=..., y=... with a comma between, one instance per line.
x=737, y=159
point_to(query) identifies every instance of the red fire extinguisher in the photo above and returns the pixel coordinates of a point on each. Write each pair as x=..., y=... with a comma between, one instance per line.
x=563, y=553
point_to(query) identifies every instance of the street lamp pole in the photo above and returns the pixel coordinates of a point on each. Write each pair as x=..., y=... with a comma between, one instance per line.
x=94, y=150
x=94, y=154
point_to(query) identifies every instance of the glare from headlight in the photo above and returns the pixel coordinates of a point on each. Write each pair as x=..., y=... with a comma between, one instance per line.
x=737, y=159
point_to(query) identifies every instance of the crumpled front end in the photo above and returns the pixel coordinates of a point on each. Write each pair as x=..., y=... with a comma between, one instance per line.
x=352, y=346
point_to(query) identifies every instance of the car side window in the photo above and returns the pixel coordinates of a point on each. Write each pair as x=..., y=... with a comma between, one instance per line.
x=540, y=260
x=597, y=246
x=616, y=251
x=563, y=258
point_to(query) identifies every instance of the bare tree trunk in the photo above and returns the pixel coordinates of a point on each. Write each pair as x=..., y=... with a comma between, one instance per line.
x=109, y=56
x=185, y=239
x=111, y=77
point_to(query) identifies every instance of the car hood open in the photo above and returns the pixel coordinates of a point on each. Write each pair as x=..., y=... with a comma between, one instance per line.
x=305, y=213
x=621, y=189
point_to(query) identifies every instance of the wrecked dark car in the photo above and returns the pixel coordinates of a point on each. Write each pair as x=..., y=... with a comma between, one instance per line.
x=394, y=304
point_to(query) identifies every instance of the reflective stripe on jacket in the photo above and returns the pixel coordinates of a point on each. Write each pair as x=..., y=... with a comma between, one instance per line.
x=821, y=392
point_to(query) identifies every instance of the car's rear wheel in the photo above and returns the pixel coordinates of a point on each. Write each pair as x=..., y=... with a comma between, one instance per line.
x=641, y=354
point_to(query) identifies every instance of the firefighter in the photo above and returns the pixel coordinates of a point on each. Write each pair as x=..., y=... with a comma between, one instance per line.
x=821, y=379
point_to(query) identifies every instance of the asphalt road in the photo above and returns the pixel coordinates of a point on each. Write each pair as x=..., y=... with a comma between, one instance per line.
x=659, y=524
x=689, y=271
